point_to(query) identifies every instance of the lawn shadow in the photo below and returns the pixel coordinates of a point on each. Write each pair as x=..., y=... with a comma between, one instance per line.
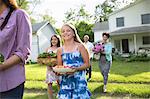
x=43, y=96
x=98, y=90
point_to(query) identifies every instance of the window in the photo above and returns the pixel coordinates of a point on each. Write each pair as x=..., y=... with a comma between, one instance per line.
x=120, y=22
x=146, y=39
x=145, y=18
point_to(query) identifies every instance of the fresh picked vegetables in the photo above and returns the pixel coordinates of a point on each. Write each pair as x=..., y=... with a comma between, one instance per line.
x=99, y=47
x=1, y=58
x=49, y=59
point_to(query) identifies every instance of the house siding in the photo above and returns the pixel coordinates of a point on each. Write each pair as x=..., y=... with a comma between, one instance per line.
x=132, y=15
x=34, y=48
x=40, y=41
x=98, y=35
x=44, y=37
x=139, y=41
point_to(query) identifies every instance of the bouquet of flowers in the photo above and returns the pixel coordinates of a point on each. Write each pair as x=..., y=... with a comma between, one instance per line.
x=99, y=47
x=1, y=58
x=49, y=59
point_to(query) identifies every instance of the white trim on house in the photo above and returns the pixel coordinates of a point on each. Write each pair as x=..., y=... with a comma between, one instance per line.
x=135, y=43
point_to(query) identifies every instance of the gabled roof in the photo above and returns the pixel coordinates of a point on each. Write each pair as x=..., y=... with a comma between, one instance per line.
x=132, y=30
x=126, y=7
x=37, y=26
x=101, y=26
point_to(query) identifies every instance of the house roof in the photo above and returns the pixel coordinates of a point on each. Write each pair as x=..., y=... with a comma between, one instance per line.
x=132, y=30
x=126, y=7
x=101, y=26
x=37, y=26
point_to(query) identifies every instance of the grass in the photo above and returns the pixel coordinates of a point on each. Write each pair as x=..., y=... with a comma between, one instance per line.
x=125, y=80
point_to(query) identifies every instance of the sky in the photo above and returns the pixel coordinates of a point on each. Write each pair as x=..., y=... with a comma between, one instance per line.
x=57, y=8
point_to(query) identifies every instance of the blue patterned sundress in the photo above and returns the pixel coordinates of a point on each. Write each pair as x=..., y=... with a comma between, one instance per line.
x=73, y=86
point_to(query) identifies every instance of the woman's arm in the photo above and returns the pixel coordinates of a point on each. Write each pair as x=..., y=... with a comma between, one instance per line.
x=10, y=62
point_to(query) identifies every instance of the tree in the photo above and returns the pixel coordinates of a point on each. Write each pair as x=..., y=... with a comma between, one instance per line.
x=103, y=10
x=49, y=18
x=24, y=4
x=108, y=6
x=33, y=4
x=58, y=31
x=76, y=15
x=81, y=19
x=84, y=28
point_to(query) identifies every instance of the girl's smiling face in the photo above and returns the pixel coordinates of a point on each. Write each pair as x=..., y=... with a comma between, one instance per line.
x=67, y=33
x=54, y=41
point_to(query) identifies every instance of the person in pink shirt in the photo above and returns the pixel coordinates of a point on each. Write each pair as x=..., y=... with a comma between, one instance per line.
x=15, y=44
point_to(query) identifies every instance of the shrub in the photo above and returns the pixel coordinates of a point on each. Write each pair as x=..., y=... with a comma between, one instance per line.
x=1, y=58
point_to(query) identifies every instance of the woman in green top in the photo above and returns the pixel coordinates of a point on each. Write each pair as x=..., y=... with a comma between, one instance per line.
x=105, y=59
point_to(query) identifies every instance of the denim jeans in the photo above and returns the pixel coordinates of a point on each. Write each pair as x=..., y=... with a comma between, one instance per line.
x=16, y=93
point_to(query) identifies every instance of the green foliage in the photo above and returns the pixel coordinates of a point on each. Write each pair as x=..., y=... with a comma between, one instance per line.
x=138, y=58
x=58, y=31
x=75, y=16
x=24, y=4
x=81, y=19
x=103, y=10
x=108, y=6
x=84, y=28
x=47, y=55
x=47, y=17
x=1, y=58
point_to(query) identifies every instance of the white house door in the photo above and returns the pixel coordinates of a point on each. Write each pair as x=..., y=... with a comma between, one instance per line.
x=125, y=46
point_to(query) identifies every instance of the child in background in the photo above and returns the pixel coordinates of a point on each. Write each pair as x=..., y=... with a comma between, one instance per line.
x=50, y=75
x=73, y=54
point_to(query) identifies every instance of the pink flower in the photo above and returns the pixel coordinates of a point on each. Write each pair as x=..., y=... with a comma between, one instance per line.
x=98, y=48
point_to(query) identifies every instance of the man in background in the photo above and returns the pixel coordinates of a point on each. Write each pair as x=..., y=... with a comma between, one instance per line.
x=89, y=47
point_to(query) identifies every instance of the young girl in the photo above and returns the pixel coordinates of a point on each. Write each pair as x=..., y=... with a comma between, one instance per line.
x=50, y=76
x=73, y=54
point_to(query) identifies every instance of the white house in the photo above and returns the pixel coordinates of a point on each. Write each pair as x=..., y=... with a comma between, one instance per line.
x=41, y=35
x=129, y=27
x=98, y=29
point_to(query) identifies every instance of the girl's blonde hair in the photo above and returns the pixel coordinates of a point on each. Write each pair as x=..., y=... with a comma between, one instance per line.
x=76, y=37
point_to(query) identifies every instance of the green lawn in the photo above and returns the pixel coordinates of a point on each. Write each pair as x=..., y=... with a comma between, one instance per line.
x=125, y=80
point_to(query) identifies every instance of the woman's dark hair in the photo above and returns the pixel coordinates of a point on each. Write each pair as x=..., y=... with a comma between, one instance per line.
x=106, y=34
x=58, y=38
x=12, y=5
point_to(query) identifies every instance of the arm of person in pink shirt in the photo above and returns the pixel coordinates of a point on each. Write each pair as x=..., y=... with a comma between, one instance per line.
x=23, y=39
